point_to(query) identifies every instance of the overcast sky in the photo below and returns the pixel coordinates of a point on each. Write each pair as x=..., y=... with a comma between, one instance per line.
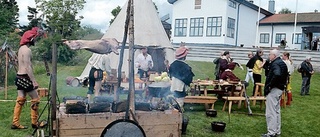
x=97, y=12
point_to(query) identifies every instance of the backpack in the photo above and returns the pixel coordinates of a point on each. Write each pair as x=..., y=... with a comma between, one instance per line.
x=299, y=69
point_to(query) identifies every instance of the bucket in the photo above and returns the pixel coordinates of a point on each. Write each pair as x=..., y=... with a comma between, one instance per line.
x=73, y=82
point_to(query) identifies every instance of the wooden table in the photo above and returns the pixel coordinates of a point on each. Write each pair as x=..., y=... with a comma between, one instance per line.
x=205, y=83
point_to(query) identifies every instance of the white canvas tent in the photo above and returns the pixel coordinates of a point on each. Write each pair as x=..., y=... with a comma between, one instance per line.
x=148, y=31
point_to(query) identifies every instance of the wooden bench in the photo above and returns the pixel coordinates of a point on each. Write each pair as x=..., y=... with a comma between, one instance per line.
x=231, y=99
x=201, y=99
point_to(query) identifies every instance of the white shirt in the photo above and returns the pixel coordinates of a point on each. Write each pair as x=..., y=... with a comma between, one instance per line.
x=177, y=85
x=145, y=62
x=100, y=61
x=289, y=66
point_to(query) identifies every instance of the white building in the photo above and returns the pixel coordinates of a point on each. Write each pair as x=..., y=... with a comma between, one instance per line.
x=215, y=22
x=275, y=28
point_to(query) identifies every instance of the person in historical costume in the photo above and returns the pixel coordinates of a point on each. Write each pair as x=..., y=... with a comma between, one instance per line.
x=99, y=63
x=25, y=80
x=287, y=59
x=181, y=74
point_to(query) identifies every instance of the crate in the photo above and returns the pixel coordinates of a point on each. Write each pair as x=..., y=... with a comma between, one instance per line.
x=43, y=92
x=154, y=123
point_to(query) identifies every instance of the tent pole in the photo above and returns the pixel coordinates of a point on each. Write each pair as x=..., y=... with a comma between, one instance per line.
x=131, y=59
x=123, y=44
x=6, y=77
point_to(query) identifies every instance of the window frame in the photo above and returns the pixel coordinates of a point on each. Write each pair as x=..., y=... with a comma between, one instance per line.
x=182, y=26
x=231, y=27
x=211, y=26
x=232, y=4
x=194, y=28
x=297, y=38
x=197, y=4
x=264, y=40
x=279, y=34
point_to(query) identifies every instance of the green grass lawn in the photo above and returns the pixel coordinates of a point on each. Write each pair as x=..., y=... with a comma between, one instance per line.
x=299, y=120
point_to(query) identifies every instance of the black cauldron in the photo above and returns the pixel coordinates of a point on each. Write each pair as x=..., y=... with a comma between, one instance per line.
x=211, y=112
x=218, y=126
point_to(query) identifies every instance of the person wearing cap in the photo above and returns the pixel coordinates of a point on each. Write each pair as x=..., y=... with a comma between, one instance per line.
x=275, y=84
x=256, y=63
x=181, y=75
x=306, y=73
x=25, y=80
x=144, y=63
x=249, y=75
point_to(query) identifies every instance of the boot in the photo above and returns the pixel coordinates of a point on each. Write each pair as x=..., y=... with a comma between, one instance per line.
x=289, y=98
x=34, y=112
x=16, y=114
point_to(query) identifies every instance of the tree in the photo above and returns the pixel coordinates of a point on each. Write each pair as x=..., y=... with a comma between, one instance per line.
x=61, y=18
x=88, y=33
x=115, y=13
x=285, y=11
x=34, y=20
x=9, y=17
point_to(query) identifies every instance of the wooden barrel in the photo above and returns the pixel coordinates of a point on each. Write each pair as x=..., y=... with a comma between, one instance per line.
x=73, y=82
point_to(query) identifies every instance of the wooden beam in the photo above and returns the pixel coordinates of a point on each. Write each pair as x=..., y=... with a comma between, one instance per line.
x=6, y=77
x=131, y=59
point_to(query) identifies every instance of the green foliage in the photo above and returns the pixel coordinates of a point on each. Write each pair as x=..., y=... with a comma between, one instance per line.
x=61, y=19
x=88, y=33
x=284, y=11
x=9, y=17
x=115, y=13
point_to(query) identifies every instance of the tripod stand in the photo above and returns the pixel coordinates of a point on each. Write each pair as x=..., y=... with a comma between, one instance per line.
x=48, y=106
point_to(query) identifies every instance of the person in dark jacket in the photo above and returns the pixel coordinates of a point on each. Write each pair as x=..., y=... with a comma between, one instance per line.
x=306, y=73
x=181, y=74
x=256, y=64
x=216, y=61
x=275, y=84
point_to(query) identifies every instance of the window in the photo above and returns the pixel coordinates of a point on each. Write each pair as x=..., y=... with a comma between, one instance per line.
x=197, y=4
x=180, y=27
x=297, y=39
x=214, y=26
x=196, y=26
x=231, y=26
x=279, y=37
x=264, y=38
x=232, y=3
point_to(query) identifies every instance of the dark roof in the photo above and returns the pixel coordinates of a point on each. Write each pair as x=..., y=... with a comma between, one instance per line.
x=254, y=7
x=244, y=2
x=289, y=18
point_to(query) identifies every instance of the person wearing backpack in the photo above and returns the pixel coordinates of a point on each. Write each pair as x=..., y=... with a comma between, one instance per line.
x=306, y=73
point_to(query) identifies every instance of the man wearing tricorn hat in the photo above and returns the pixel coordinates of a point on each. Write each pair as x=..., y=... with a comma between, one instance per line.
x=25, y=80
x=181, y=74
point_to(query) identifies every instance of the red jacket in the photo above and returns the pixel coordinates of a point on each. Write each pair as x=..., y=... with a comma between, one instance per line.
x=228, y=74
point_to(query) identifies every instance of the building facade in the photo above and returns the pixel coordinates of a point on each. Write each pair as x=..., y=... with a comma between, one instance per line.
x=215, y=22
x=279, y=27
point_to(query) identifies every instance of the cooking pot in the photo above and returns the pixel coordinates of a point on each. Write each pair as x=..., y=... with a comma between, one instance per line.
x=211, y=112
x=218, y=126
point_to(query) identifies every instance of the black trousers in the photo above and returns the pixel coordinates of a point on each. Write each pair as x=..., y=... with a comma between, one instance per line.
x=257, y=79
